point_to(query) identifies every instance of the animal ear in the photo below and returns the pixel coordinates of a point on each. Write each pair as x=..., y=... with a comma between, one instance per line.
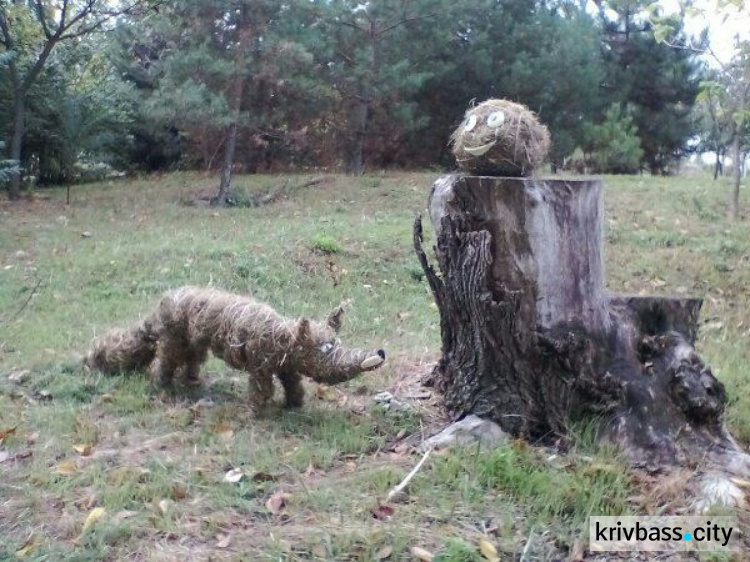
x=335, y=318
x=303, y=330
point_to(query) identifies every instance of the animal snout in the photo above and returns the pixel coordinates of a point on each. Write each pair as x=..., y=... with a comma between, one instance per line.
x=381, y=353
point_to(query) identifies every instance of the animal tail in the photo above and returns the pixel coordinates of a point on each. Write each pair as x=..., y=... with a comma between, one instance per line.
x=121, y=350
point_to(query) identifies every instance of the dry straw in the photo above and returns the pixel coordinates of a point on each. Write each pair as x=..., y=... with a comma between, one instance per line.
x=500, y=138
x=246, y=334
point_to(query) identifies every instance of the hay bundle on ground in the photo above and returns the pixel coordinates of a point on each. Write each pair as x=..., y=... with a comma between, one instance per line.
x=246, y=334
x=123, y=350
x=500, y=138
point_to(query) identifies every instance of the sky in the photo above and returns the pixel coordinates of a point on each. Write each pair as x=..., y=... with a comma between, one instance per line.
x=723, y=26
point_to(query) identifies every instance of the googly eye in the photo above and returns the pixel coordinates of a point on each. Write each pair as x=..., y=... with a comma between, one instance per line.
x=471, y=122
x=495, y=119
x=326, y=347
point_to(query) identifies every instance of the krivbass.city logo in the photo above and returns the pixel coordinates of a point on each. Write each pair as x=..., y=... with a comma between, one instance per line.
x=663, y=534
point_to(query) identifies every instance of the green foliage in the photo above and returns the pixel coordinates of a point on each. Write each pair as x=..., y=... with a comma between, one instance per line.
x=576, y=492
x=334, y=455
x=202, y=65
x=658, y=81
x=76, y=110
x=8, y=168
x=457, y=550
x=344, y=83
x=373, y=58
x=326, y=244
x=614, y=146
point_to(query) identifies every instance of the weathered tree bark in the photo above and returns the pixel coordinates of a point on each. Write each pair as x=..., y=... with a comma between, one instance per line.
x=225, y=183
x=16, y=143
x=734, y=198
x=718, y=165
x=532, y=340
x=361, y=118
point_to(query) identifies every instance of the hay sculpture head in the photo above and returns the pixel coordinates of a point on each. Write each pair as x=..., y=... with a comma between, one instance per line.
x=320, y=355
x=500, y=138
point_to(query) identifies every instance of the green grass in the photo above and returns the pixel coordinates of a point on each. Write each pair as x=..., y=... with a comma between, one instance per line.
x=158, y=459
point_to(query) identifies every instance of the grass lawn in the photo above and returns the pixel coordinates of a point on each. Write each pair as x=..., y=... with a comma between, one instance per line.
x=114, y=468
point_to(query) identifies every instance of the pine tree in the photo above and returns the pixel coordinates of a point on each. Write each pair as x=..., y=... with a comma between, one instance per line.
x=659, y=81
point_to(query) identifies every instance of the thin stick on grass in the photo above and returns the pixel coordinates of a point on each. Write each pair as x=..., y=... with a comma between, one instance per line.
x=399, y=489
x=25, y=304
x=528, y=545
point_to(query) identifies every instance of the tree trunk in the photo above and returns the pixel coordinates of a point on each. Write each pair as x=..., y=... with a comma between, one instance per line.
x=16, y=143
x=532, y=340
x=361, y=117
x=734, y=199
x=717, y=166
x=225, y=184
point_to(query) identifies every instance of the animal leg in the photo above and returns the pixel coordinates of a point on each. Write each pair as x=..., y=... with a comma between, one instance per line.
x=260, y=391
x=169, y=357
x=293, y=389
x=194, y=358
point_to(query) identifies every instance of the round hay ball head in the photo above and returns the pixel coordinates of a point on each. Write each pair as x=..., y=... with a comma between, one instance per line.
x=500, y=138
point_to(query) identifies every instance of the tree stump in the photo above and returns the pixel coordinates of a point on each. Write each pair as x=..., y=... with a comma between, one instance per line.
x=531, y=339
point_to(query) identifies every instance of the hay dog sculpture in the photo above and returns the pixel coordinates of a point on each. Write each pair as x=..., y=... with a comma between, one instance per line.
x=246, y=334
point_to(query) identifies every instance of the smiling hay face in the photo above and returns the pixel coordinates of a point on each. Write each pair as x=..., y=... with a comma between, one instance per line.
x=500, y=138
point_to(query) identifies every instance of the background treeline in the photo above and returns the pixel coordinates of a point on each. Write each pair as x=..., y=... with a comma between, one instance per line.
x=298, y=84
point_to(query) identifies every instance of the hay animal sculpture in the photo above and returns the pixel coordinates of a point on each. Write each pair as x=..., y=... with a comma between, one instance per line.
x=500, y=138
x=245, y=333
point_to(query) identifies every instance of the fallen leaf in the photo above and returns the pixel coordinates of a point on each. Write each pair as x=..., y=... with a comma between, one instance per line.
x=66, y=467
x=320, y=551
x=83, y=450
x=23, y=456
x=86, y=234
x=740, y=482
x=125, y=514
x=93, y=516
x=107, y=398
x=264, y=477
x=202, y=404
x=401, y=448
x=576, y=551
x=179, y=491
x=32, y=438
x=422, y=554
x=27, y=548
x=311, y=470
x=164, y=506
x=224, y=431
x=384, y=553
x=488, y=550
x=324, y=392
x=276, y=503
x=222, y=541
x=383, y=512
x=5, y=433
x=86, y=500
x=234, y=475
x=19, y=377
